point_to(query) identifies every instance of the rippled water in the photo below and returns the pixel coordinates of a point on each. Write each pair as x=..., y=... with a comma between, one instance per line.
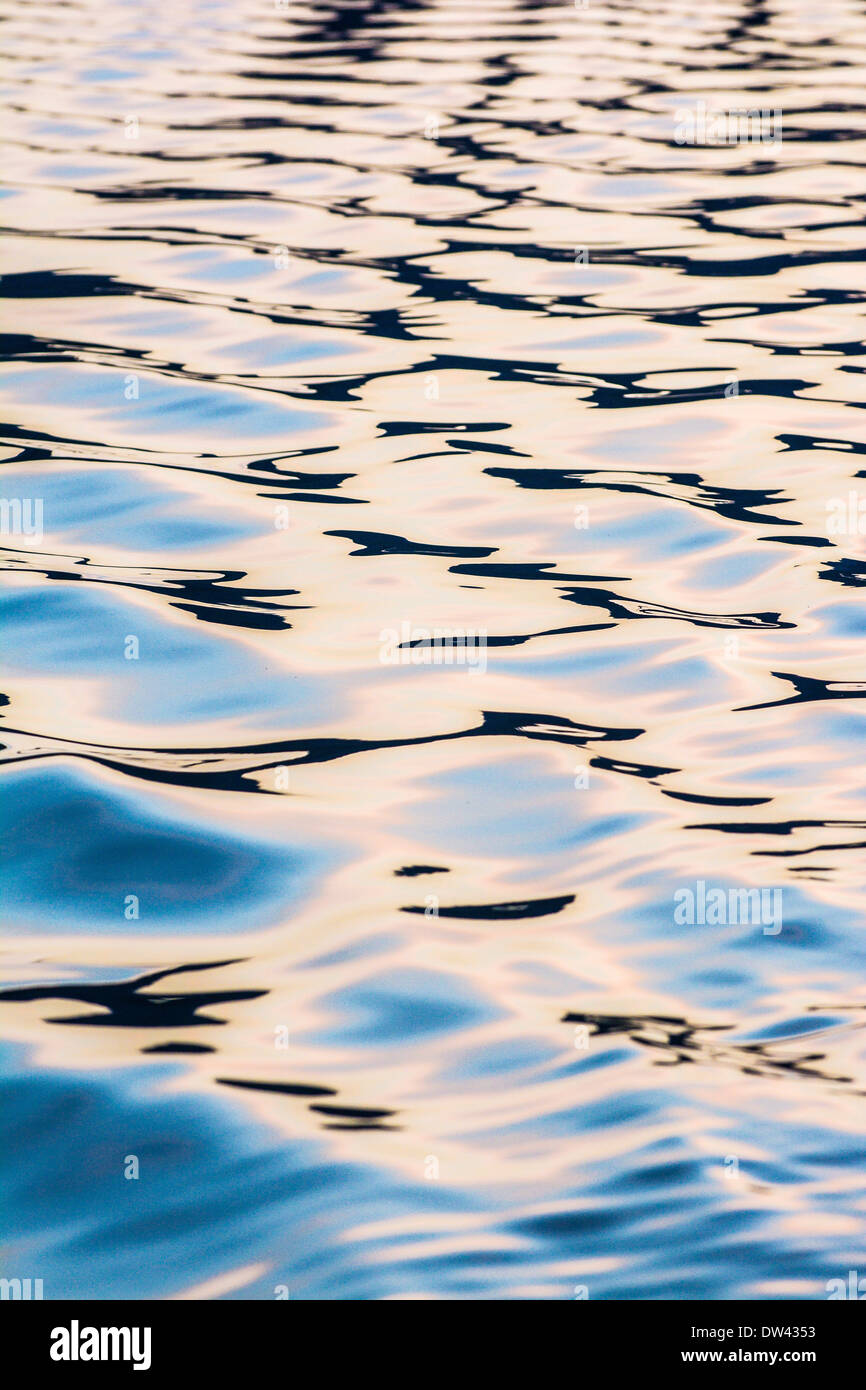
x=329, y=326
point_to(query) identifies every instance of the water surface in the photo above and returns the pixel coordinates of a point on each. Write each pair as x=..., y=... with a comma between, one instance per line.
x=330, y=326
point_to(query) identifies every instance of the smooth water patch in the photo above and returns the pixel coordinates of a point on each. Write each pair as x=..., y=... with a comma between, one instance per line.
x=84, y=857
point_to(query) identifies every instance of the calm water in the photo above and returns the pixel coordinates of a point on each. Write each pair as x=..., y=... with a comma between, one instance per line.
x=331, y=326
